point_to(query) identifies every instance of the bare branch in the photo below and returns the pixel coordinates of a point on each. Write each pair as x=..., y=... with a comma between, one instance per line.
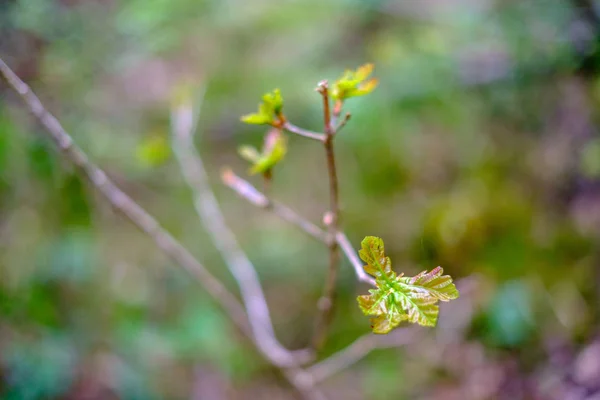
x=123, y=203
x=303, y=132
x=146, y=223
x=193, y=170
x=245, y=190
x=343, y=122
x=359, y=349
x=325, y=305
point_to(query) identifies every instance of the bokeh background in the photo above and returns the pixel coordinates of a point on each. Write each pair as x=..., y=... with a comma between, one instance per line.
x=478, y=152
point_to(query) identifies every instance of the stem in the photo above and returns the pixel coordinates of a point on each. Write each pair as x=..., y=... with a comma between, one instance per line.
x=325, y=305
x=248, y=192
x=303, y=132
x=183, y=123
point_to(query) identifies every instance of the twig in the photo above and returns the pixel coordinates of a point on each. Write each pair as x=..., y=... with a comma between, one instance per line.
x=303, y=132
x=245, y=190
x=348, y=250
x=145, y=222
x=123, y=203
x=343, y=123
x=359, y=349
x=192, y=168
x=325, y=305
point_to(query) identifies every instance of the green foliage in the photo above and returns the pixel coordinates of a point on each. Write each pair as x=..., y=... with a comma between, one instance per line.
x=273, y=151
x=354, y=83
x=398, y=298
x=269, y=111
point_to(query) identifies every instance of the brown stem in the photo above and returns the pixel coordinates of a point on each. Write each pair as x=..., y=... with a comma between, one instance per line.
x=325, y=305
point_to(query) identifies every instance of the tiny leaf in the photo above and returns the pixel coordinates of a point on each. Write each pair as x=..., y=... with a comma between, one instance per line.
x=354, y=83
x=398, y=298
x=273, y=151
x=373, y=254
x=249, y=153
x=268, y=111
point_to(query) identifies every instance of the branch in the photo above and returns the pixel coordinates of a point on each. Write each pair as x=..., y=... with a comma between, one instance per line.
x=207, y=207
x=145, y=222
x=359, y=349
x=248, y=192
x=245, y=190
x=348, y=250
x=343, y=122
x=303, y=132
x=123, y=203
x=325, y=305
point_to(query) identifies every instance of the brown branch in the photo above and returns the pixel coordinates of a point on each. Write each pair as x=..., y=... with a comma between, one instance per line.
x=192, y=168
x=325, y=305
x=146, y=223
x=343, y=122
x=303, y=132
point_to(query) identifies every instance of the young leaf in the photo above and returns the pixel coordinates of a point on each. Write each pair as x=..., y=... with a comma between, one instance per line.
x=273, y=151
x=398, y=298
x=354, y=83
x=268, y=111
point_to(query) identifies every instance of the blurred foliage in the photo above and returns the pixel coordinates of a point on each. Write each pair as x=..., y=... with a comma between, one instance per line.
x=478, y=152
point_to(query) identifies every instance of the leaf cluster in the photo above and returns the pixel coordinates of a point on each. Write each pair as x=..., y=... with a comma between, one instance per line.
x=269, y=110
x=398, y=298
x=354, y=83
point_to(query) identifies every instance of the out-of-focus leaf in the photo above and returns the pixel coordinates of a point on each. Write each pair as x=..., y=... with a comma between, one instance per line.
x=153, y=151
x=399, y=298
x=590, y=159
x=355, y=83
x=510, y=315
x=273, y=151
x=269, y=110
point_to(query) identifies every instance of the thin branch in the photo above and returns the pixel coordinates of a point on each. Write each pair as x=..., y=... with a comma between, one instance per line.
x=194, y=172
x=303, y=132
x=123, y=203
x=359, y=349
x=343, y=123
x=145, y=222
x=245, y=190
x=348, y=250
x=325, y=305
x=248, y=192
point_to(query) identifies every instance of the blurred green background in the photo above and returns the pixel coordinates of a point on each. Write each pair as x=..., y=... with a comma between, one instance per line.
x=478, y=152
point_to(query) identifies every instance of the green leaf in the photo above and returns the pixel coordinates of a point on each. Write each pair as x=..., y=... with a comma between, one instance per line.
x=354, y=83
x=273, y=151
x=153, y=151
x=373, y=254
x=398, y=298
x=268, y=111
